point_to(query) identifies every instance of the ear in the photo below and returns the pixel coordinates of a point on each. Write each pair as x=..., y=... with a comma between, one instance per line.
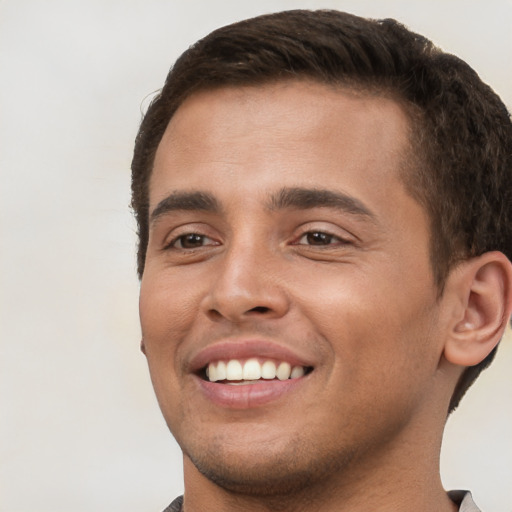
x=142, y=346
x=483, y=287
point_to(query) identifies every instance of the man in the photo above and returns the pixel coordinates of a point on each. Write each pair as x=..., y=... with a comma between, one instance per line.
x=324, y=211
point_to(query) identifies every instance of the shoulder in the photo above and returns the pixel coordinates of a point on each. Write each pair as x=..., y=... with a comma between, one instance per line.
x=175, y=506
x=464, y=500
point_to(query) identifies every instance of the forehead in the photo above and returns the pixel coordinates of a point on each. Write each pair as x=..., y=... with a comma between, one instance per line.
x=289, y=134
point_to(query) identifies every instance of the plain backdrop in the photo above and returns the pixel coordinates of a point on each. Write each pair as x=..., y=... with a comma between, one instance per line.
x=80, y=429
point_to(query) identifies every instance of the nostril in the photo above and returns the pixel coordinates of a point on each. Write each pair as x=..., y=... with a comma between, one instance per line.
x=259, y=309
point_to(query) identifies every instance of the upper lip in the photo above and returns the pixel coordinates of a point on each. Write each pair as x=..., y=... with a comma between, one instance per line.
x=245, y=349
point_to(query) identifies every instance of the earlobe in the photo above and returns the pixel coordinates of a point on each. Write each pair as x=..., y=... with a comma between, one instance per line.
x=142, y=346
x=484, y=287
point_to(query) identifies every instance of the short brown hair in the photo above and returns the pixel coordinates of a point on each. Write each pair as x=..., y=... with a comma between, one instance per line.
x=461, y=143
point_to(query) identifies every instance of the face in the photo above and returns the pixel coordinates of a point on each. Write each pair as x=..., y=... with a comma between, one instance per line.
x=283, y=241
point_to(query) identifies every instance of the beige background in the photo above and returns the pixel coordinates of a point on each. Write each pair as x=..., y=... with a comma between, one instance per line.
x=79, y=427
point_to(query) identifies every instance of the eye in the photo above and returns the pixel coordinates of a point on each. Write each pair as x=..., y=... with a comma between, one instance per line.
x=191, y=241
x=319, y=238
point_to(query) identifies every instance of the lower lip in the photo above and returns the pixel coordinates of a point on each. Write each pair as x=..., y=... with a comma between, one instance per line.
x=248, y=396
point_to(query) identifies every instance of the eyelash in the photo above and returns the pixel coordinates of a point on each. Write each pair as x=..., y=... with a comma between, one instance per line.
x=322, y=236
x=325, y=238
x=181, y=238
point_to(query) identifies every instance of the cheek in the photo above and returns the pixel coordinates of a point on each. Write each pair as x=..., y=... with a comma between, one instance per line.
x=166, y=309
x=165, y=319
x=378, y=327
x=163, y=323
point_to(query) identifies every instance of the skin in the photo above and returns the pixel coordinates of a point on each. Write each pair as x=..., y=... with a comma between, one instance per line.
x=363, y=430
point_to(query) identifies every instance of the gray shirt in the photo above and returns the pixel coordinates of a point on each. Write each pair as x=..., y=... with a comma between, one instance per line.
x=464, y=500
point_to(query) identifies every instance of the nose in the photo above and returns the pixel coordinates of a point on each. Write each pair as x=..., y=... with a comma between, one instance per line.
x=247, y=285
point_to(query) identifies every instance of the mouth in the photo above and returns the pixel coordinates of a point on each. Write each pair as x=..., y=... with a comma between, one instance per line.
x=250, y=373
x=240, y=372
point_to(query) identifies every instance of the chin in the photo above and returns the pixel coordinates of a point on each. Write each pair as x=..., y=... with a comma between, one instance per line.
x=267, y=470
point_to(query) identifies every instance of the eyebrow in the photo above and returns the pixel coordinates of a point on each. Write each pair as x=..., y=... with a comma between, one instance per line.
x=304, y=198
x=295, y=197
x=200, y=201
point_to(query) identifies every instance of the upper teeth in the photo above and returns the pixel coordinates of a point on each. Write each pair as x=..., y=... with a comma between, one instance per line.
x=252, y=370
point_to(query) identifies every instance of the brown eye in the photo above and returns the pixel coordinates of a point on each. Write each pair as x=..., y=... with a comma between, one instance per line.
x=190, y=241
x=318, y=238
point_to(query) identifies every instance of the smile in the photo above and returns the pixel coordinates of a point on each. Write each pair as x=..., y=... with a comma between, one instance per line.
x=246, y=373
x=250, y=371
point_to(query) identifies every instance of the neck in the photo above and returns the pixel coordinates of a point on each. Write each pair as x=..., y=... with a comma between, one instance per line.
x=396, y=480
x=397, y=476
